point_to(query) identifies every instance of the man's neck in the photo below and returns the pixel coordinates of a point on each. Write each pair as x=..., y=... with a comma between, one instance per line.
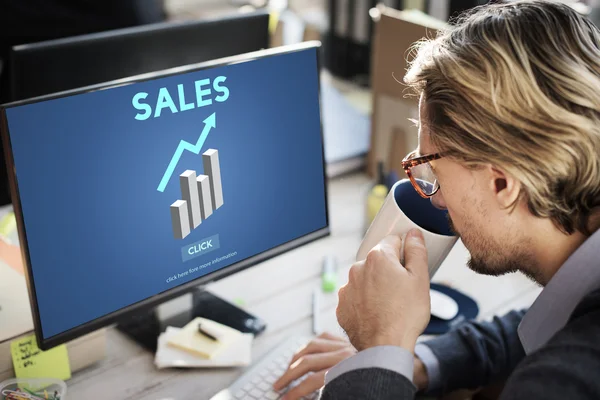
x=551, y=248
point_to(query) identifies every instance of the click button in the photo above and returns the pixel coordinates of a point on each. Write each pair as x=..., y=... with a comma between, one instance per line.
x=200, y=248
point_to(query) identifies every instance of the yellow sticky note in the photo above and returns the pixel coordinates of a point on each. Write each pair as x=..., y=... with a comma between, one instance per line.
x=8, y=224
x=31, y=362
x=273, y=21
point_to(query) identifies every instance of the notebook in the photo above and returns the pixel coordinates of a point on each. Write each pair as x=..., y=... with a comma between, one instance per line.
x=237, y=354
x=190, y=340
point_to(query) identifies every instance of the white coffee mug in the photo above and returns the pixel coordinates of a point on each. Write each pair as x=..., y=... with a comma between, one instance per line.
x=403, y=210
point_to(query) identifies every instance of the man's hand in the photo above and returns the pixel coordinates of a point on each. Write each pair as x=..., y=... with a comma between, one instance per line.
x=317, y=357
x=385, y=303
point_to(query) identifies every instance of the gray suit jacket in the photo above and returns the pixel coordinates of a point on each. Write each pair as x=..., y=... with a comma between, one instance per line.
x=477, y=354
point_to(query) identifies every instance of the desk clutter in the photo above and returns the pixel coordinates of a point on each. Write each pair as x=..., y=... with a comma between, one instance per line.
x=203, y=343
x=40, y=375
x=33, y=389
x=31, y=362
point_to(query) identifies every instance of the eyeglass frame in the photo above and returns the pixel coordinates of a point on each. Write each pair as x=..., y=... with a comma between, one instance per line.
x=408, y=163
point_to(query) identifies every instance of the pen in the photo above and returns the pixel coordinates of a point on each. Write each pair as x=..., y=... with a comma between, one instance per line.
x=315, y=312
x=204, y=332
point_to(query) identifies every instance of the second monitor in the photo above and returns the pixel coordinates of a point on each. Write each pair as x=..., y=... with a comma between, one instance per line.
x=63, y=64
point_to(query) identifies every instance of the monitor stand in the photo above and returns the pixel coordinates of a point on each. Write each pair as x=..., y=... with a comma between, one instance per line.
x=146, y=326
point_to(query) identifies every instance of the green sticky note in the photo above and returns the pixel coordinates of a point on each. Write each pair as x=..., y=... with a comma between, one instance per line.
x=31, y=362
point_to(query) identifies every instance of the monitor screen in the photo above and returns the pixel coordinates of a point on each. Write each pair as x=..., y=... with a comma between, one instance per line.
x=136, y=190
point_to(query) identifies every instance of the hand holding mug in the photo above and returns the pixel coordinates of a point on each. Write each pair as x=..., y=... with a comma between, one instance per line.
x=384, y=301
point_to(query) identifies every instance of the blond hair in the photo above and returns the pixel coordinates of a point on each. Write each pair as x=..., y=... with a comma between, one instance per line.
x=517, y=85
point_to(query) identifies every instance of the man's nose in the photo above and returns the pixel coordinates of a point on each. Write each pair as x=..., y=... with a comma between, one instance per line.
x=438, y=200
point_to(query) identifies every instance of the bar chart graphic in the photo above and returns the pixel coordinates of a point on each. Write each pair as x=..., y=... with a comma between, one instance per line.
x=201, y=195
x=209, y=123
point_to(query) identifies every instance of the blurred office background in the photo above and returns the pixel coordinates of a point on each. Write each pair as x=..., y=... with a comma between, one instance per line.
x=360, y=101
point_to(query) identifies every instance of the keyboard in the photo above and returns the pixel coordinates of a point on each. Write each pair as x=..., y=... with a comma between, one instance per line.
x=257, y=382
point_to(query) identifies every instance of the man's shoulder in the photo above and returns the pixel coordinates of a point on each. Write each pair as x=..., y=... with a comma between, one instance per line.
x=589, y=305
x=567, y=366
x=583, y=326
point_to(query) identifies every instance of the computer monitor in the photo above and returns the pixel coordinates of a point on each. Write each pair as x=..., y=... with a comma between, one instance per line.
x=130, y=193
x=57, y=65
x=63, y=64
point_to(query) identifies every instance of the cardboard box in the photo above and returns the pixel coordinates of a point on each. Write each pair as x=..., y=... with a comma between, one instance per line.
x=393, y=135
x=291, y=27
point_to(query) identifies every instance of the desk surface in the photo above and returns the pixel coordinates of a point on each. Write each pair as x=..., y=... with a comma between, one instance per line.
x=282, y=296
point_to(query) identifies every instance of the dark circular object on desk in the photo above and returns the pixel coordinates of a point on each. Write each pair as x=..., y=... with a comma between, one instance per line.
x=467, y=310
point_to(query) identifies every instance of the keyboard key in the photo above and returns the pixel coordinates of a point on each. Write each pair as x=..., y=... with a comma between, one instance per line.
x=258, y=384
x=281, y=360
x=271, y=395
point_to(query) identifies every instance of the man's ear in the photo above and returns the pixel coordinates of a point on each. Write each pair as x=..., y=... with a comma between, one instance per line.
x=505, y=187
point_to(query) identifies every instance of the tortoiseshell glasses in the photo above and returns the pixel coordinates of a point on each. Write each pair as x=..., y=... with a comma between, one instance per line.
x=421, y=174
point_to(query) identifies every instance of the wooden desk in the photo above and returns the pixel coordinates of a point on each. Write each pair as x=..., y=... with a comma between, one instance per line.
x=279, y=291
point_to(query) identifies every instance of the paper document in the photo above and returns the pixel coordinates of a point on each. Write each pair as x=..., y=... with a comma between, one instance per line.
x=346, y=130
x=237, y=354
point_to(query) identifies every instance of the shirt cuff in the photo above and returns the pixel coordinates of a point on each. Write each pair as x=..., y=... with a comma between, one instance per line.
x=393, y=358
x=432, y=365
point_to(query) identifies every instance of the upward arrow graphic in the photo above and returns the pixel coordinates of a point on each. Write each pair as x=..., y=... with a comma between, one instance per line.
x=209, y=123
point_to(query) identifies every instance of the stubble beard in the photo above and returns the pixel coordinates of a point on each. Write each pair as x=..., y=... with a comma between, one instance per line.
x=487, y=257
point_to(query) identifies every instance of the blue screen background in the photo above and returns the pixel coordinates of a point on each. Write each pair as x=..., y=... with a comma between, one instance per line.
x=99, y=233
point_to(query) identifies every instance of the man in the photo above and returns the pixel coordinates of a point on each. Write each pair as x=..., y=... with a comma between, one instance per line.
x=510, y=111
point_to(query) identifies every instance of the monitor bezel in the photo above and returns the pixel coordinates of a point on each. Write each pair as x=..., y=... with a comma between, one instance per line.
x=153, y=301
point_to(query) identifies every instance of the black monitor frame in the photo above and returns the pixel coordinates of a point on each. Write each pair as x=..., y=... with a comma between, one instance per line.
x=148, y=48
x=153, y=301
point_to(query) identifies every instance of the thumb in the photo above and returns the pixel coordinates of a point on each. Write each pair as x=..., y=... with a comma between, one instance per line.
x=391, y=244
x=415, y=253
